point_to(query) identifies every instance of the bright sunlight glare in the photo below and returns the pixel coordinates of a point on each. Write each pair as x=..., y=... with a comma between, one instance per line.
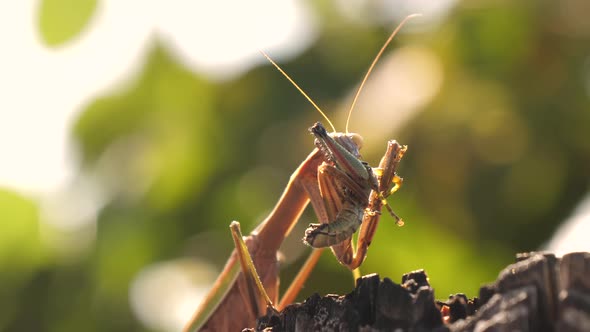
x=47, y=87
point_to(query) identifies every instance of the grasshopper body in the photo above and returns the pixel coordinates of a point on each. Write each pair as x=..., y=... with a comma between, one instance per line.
x=352, y=194
x=345, y=184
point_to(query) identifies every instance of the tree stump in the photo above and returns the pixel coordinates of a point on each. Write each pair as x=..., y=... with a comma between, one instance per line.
x=537, y=293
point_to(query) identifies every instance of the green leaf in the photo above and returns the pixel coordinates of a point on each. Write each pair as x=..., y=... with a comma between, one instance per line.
x=20, y=238
x=61, y=20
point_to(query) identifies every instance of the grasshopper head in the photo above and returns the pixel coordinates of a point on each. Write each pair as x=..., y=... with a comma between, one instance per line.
x=351, y=142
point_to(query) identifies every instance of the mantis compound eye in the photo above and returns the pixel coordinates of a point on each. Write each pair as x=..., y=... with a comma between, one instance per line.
x=357, y=139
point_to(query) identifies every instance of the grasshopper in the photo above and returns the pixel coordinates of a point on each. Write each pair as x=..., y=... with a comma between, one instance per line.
x=352, y=192
x=345, y=193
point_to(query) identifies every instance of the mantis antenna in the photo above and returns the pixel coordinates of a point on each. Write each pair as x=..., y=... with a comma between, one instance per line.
x=300, y=90
x=358, y=92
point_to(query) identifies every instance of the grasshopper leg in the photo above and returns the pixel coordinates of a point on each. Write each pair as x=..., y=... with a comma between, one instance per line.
x=397, y=183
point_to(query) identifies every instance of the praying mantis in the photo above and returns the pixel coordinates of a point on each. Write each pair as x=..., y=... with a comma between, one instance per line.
x=346, y=194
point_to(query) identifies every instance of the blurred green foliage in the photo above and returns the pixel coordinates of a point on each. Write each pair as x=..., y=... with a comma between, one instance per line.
x=495, y=162
x=62, y=20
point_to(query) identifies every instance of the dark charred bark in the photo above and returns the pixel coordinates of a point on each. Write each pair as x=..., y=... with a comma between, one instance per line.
x=537, y=293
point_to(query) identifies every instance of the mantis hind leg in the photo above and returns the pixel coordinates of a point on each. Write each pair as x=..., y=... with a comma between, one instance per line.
x=302, y=275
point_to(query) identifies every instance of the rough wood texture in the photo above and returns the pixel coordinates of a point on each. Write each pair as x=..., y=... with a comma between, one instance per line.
x=537, y=293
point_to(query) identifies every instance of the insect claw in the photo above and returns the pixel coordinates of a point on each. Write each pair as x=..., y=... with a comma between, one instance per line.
x=398, y=221
x=272, y=311
x=311, y=233
x=372, y=212
x=397, y=183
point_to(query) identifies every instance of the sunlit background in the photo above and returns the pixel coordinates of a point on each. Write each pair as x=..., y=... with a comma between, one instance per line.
x=132, y=133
